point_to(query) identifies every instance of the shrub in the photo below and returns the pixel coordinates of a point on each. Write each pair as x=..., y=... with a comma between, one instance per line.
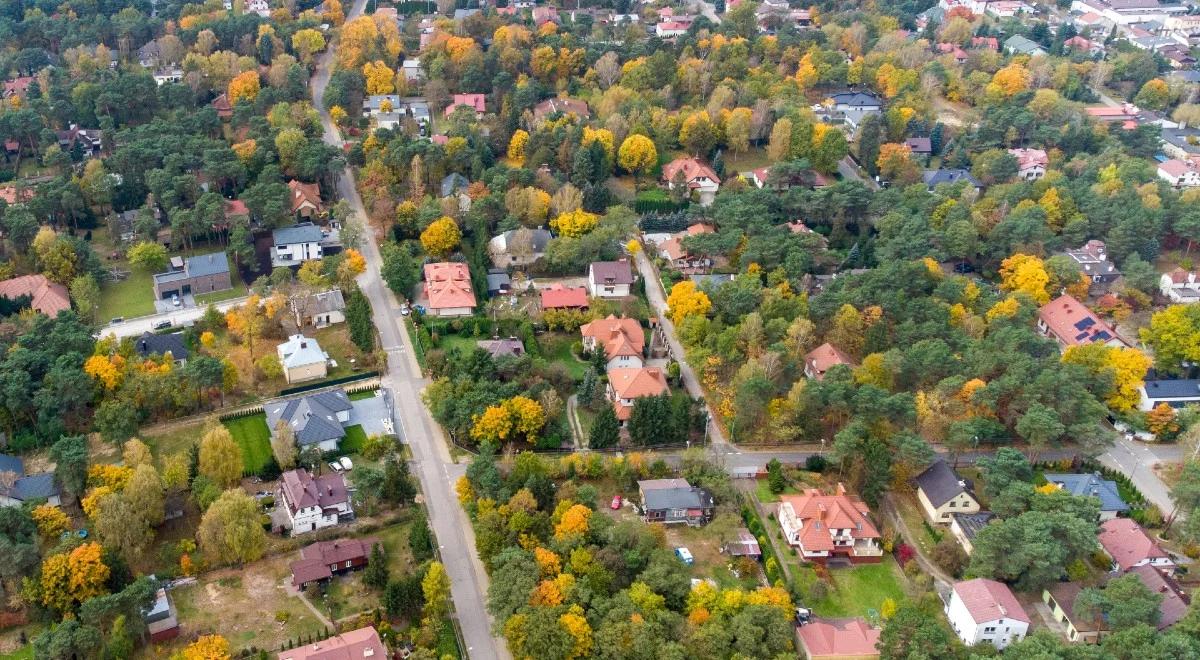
x=949, y=556
x=282, y=616
x=904, y=553
x=1077, y=570
x=816, y=463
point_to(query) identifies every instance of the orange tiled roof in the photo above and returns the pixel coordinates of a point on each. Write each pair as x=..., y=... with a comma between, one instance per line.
x=618, y=336
x=46, y=297
x=448, y=286
x=819, y=513
x=825, y=357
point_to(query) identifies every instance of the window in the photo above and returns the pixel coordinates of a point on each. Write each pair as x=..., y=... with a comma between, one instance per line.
x=953, y=504
x=989, y=629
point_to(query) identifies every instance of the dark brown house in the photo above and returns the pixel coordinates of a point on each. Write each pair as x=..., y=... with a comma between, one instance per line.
x=322, y=560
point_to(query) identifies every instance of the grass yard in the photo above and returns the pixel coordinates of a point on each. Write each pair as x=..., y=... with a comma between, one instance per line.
x=910, y=512
x=764, y=494
x=237, y=291
x=23, y=653
x=178, y=439
x=365, y=394
x=752, y=159
x=128, y=298
x=862, y=589
x=465, y=345
x=353, y=443
x=556, y=347
x=253, y=436
x=335, y=340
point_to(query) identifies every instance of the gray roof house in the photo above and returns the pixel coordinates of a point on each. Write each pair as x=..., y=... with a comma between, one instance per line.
x=316, y=419
x=319, y=309
x=1092, y=485
x=498, y=348
x=1018, y=45
x=934, y=178
x=965, y=526
x=498, y=283
x=453, y=183
x=292, y=246
x=943, y=493
x=16, y=488
x=1176, y=393
x=202, y=273
x=675, y=501
x=151, y=344
x=518, y=247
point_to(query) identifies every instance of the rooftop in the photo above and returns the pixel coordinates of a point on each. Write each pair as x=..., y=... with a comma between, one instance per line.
x=1091, y=485
x=839, y=638
x=1127, y=543
x=940, y=484
x=989, y=600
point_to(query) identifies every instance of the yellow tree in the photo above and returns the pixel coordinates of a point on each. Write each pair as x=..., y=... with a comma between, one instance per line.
x=527, y=415
x=637, y=155
x=1012, y=79
x=441, y=237
x=574, y=524
x=1125, y=367
x=220, y=457
x=686, y=300
x=51, y=521
x=379, y=78
x=516, y=147
x=248, y=322
x=353, y=264
x=896, y=164
x=338, y=115
x=1162, y=421
x=245, y=85
x=208, y=647
x=575, y=223
x=580, y=631
x=601, y=135
x=494, y=425
x=245, y=149
x=1025, y=273
x=307, y=43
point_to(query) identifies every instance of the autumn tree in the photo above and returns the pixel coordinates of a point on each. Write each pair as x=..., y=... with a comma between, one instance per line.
x=1024, y=273
x=575, y=223
x=245, y=85
x=1123, y=367
x=220, y=457
x=135, y=452
x=147, y=256
x=436, y=588
x=780, y=146
x=1009, y=81
x=1162, y=421
x=379, y=78
x=698, y=134
x=207, y=647
x=441, y=237
x=518, y=416
x=51, y=521
x=637, y=155
x=145, y=494
x=231, y=529
x=71, y=578
x=1154, y=95
x=896, y=164
x=307, y=43
x=248, y=321
x=574, y=523
x=283, y=445
x=1174, y=334
x=686, y=300
x=516, y=147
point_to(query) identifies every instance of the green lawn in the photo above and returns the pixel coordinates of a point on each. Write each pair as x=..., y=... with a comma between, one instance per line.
x=253, y=436
x=861, y=589
x=23, y=653
x=763, y=491
x=237, y=291
x=365, y=394
x=128, y=298
x=465, y=345
x=354, y=440
x=557, y=348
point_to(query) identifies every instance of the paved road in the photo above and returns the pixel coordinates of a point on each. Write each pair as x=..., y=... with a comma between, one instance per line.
x=135, y=327
x=849, y=170
x=431, y=458
x=1136, y=460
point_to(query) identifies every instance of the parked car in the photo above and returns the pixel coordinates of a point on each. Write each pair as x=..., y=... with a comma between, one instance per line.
x=336, y=467
x=162, y=324
x=117, y=319
x=803, y=616
x=616, y=502
x=345, y=463
x=685, y=555
x=175, y=301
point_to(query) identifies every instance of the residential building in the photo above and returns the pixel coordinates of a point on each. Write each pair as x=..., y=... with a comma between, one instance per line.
x=1175, y=600
x=695, y=175
x=316, y=420
x=150, y=345
x=170, y=74
x=306, y=199
x=821, y=359
x=920, y=146
x=1060, y=598
x=622, y=340
x=318, y=309
x=964, y=527
x=565, y=106
x=1182, y=143
x=302, y=359
x=311, y=504
x=1070, y=323
x=448, y=289
x=411, y=68
x=16, y=487
x=475, y=102
x=838, y=639
x=1031, y=163
x=1128, y=12
x=454, y=183
x=149, y=55
x=852, y=107
x=45, y=296
x=943, y=493
x=260, y=7
x=1093, y=260
x=1129, y=546
x=1180, y=286
x=829, y=528
x=320, y=561
x=672, y=28
x=609, y=279
x=1092, y=485
x=88, y=141
x=1018, y=45
x=557, y=296
x=18, y=87
x=743, y=545
x=1176, y=393
x=983, y=610
x=498, y=348
x=1179, y=173
x=953, y=50
x=223, y=107
x=203, y=273
x=498, y=282
x=162, y=620
x=628, y=384
x=294, y=245
x=362, y=643
x=234, y=208
x=677, y=256
x=935, y=178
x=675, y=501
x=518, y=247
x=544, y=14
x=391, y=110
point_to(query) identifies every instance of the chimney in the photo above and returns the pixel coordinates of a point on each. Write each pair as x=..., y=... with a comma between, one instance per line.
x=962, y=483
x=303, y=344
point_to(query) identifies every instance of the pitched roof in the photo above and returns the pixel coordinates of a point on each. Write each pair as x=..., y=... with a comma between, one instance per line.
x=989, y=600
x=1127, y=543
x=1174, y=605
x=299, y=351
x=151, y=344
x=304, y=192
x=354, y=645
x=565, y=106
x=1173, y=389
x=301, y=491
x=312, y=418
x=1091, y=485
x=635, y=382
x=34, y=487
x=319, y=303
x=315, y=559
x=691, y=497
x=692, y=168
x=1027, y=158
x=448, y=285
x=856, y=99
x=10, y=463
x=1064, y=594
x=1176, y=167
x=838, y=638
x=452, y=183
x=557, y=296
x=920, y=145
x=824, y=357
x=971, y=523
x=819, y=513
x=940, y=484
x=305, y=232
x=611, y=272
x=1074, y=324
x=46, y=297
x=234, y=207
x=476, y=102
x=618, y=336
x=502, y=347
x=538, y=237
x=937, y=177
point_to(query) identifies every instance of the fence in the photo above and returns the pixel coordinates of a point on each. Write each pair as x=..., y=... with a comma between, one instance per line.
x=328, y=383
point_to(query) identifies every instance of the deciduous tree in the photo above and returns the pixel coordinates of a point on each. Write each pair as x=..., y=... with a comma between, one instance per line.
x=441, y=237
x=220, y=457
x=231, y=529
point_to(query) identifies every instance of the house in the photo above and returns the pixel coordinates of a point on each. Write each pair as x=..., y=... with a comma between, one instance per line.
x=203, y=273
x=318, y=309
x=829, y=528
x=498, y=348
x=1179, y=173
x=671, y=29
x=935, y=178
x=609, y=279
x=361, y=643
x=411, y=68
x=544, y=14
x=622, y=339
x=985, y=43
x=448, y=289
x=1092, y=485
x=1126, y=112
x=320, y=561
x=744, y=545
x=306, y=199
x=675, y=501
x=89, y=141
x=677, y=256
x=223, y=107
x=920, y=146
x=1031, y=163
x=964, y=527
x=234, y=209
x=150, y=54
x=983, y=610
x=953, y=50
x=16, y=487
x=498, y=283
x=475, y=102
x=45, y=296
x=260, y=7
x=150, y=344
x=316, y=420
x=1093, y=260
x=1129, y=546
x=1177, y=393
x=1018, y=45
x=1083, y=45
x=628, y=384
x=694, y=174
x=312, y=504
x=563, y=106
x=852, y=107
x=943, y=493
x=294, y=245
x=302, y=359
x=390, y=110
x=518, y=247
x=823, y=358
x=1175, y=602
x=162, y=620
x=838, y=639
x=1060, y=598
x=1070, y=323
x=454, y=183
x=1180, y=286
x=557, y=296
x=18, y=87
x=170, y=74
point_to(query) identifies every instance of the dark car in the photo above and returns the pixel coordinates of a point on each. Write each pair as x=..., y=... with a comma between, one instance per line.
x=162, y=324
x=963, y=268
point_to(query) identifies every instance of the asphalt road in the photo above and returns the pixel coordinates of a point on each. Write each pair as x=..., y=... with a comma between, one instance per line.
x=178, y=318
x=431, y=462
x=1136, y=460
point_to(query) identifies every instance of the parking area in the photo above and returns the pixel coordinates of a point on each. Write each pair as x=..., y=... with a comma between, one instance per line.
x=374, y=414
x=187, y=301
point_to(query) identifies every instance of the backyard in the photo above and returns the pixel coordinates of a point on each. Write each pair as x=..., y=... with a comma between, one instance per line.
x=253, y=436
x=556, y=347
x=861, y=590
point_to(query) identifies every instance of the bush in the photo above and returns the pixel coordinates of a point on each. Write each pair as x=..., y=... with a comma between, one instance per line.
x=816, y=463
x=1077, y=570
x=904, y=553
x=949, y=556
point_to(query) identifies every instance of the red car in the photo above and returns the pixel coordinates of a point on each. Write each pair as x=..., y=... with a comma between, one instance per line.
x=616, y=503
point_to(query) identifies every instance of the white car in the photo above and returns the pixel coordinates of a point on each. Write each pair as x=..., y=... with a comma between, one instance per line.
x=345, y=463
x=336, y=467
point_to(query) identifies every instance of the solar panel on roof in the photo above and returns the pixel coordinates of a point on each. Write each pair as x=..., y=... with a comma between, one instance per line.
x=1102, y=335
x=1081, y=336
x=1084, y=324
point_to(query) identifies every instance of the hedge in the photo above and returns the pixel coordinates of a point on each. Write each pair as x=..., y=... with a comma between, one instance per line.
x=328, y=383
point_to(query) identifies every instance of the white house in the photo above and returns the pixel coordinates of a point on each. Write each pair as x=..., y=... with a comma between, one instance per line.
x=171, y=74
x=1031, y=163
x=622, y=340
x=313, y=504
x=609, y=279
x=1179, y=173
x=296, y=244
x=319, y=309
x=1180, y=286
x=986, y=610
x=695, y=175
x=1174, y=393
x=302, y=359
x=671, y=29
x=260, y=7
x=1130, y=546
x=942, y=493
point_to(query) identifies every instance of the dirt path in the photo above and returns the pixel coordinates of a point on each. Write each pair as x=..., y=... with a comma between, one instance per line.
x=576, y=429
x=944, y=581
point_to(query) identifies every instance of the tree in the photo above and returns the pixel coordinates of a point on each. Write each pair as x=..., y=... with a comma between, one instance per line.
x=148, y=256
x=914, y=633
x=775, y=476
x=72, y=578
x=399, y=270
x=1123, y=603
x=248, y=321
x=605, y=431
x=686, y=300
x=145, y=494
x=207, y=647
x=245, y=85
x=51, y=521
x=516, y=147
x=85, y=293
x=441, y=237
x=869, y=139
x=135, y=452
x=283, y=445
x=1161, y=421
x=307, y=43
x=1023, y=273
x=121, y=526
x=231, y=529
x=574, y=524
x=1174, y=335
x=1002, y=469
x=403, y=597
x=637, y=155
x=1032, y=549
x=358, y=317
x=376, y=573
x=420, y=539
x=398, y=487
x=575, y=223
x=220, y=457
x=436, y=588
x=698, y=134
x=1124, y=368
x=379, y=78
x=780, y=146
x=69, y=639
x=70, y=455
x=896, y=164
x=1154, y=95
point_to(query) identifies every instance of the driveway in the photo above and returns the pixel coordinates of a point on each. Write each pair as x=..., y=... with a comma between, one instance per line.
x=374, y=414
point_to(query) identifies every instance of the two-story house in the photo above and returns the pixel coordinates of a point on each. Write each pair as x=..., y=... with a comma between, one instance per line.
x=1091, y=485
x=312, y=504
x=447, y=289
x=1070, y=323
x=829, y=528
x=1180, y=286
x=320, y=561
x=302, y=359
x=693, y=174
x=678, y=257
x=621, y=339
x=628, y=384
x=1129, y=546
x=609, y=279
x=316, y=420
x=1093, y=259
x=983, y=610
x=943, y=493
x=823, y=358
x=296, y=244
x=1031, y=163
x=675, y=501
x=1179, y=173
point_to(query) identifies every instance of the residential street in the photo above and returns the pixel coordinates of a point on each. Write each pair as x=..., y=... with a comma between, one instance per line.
x=431, y=458
x=1135, y=459
x=135, y=327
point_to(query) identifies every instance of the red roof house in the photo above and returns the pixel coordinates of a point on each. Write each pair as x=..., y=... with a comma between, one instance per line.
x=837, y=639
x=557, y=296
x=45, y=296
x=354, y=645
x=1129, y=546
x=823, y=358
x=223, y=107
x=306, y=198
x=322, y=560
x=448, y=289
x=829, y=526
x=475, y=101
x=17, y=86
x=621, y=338
x=1071, y=323
x=1174, y=605
x=627, y=384
x=696, y=174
